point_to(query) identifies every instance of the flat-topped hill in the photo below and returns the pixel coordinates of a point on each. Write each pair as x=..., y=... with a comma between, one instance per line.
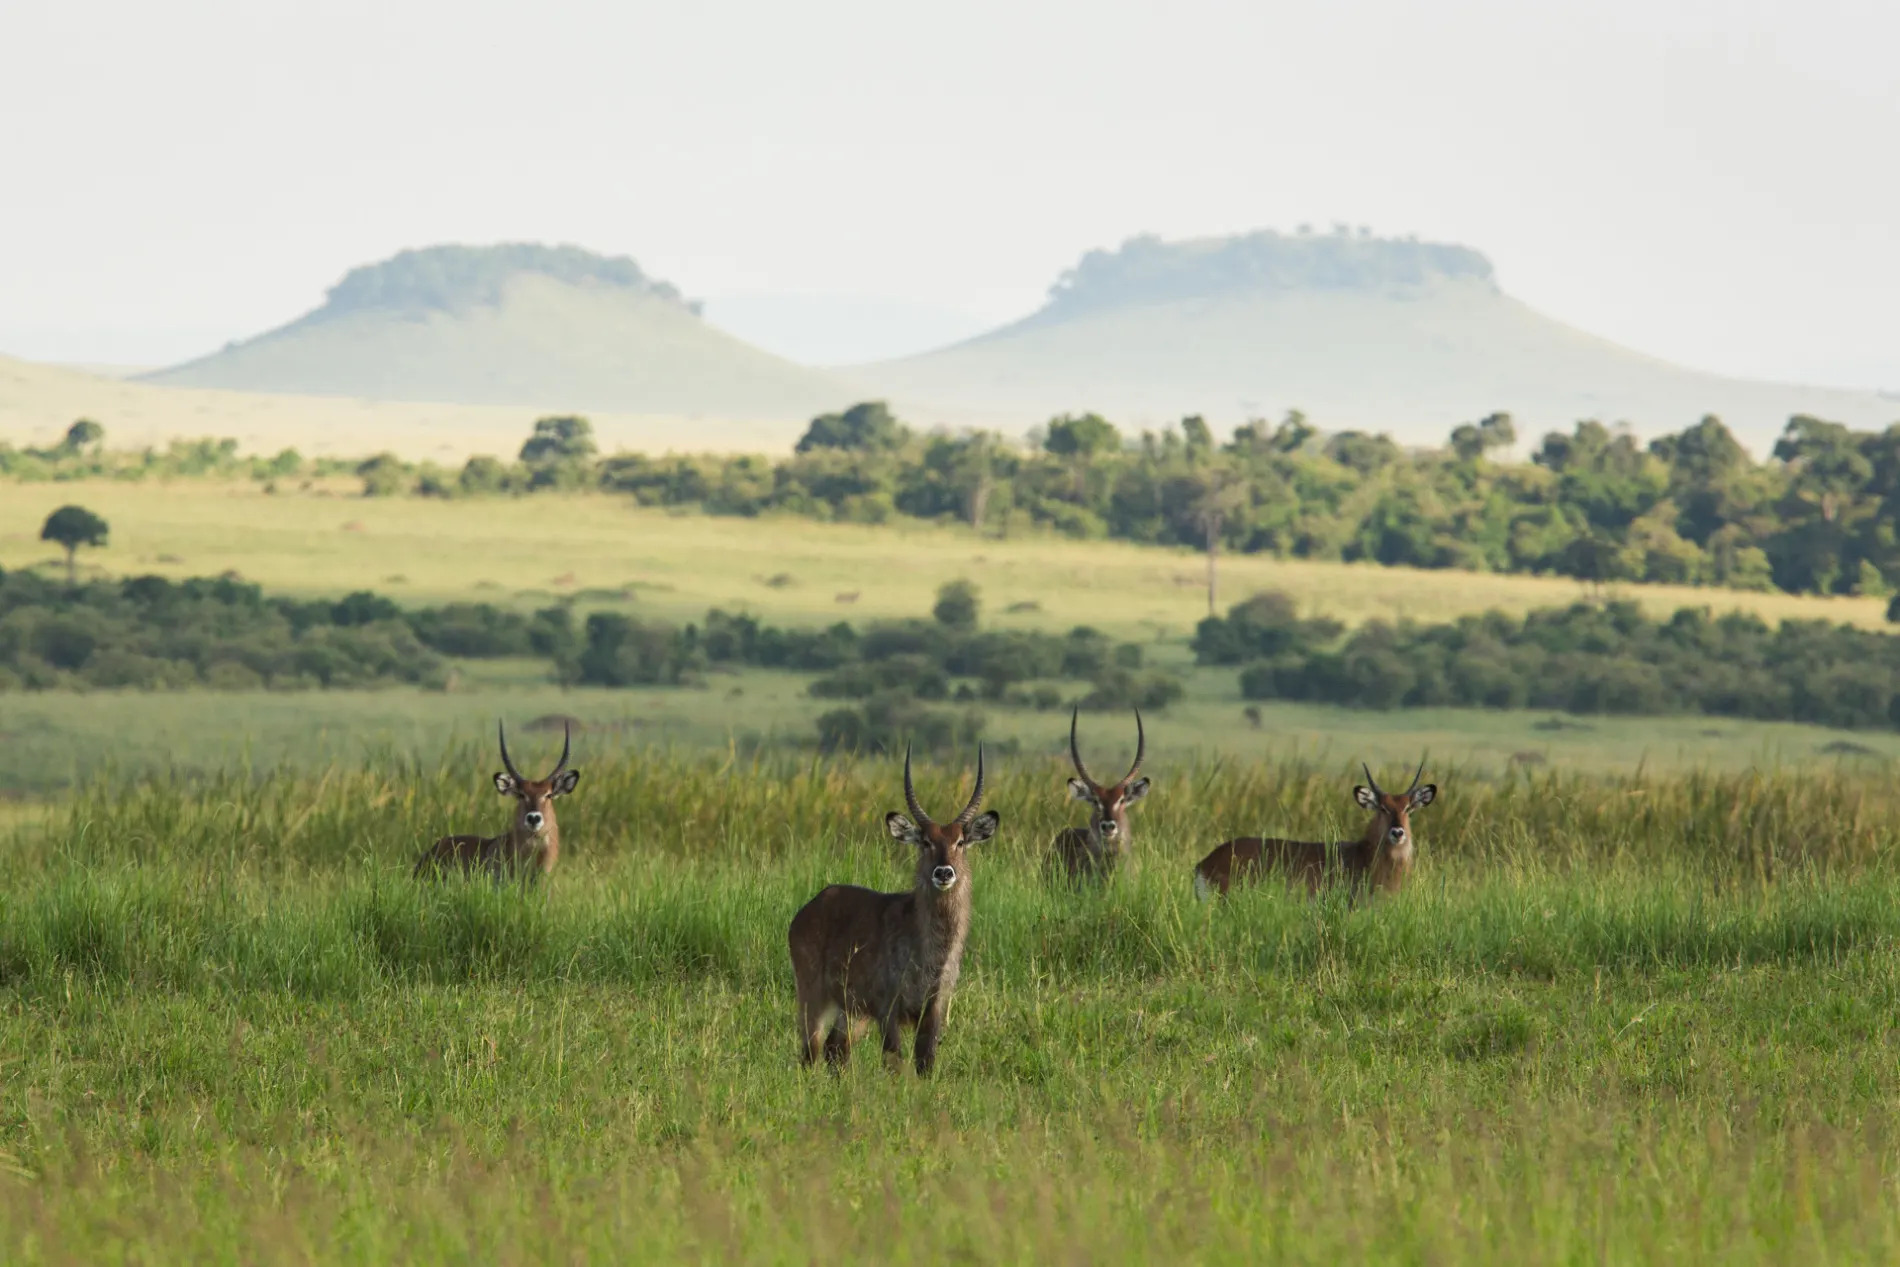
x=516, y=324
x=1383, y=334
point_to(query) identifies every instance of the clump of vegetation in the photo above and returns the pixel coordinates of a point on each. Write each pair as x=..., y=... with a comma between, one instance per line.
x=150, y=632
x=81, y=454
x=947, y=657
x=1585, y=658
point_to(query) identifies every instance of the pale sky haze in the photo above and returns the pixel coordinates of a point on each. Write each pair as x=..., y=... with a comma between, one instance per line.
x=1710, y=182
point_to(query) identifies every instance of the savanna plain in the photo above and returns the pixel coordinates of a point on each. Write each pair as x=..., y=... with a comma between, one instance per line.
x=1637, y=1003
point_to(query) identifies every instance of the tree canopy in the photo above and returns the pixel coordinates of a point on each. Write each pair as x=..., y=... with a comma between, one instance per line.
x=72, y=527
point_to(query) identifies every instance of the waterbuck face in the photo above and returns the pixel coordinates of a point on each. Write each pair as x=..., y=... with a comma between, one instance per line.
x=1108, y=806
x=940, y=846
x=1395, y=813
x=534, y=799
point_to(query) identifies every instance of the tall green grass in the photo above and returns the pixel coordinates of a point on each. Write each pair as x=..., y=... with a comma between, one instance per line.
x=1613, y=1020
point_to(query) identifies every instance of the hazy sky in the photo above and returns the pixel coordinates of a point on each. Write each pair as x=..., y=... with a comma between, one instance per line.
x=1716, y=183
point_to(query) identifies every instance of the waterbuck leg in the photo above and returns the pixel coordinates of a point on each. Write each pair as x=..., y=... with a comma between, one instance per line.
x=892, y=1031
x=811, y=1030
x=838, y=1044
x=929, y=1026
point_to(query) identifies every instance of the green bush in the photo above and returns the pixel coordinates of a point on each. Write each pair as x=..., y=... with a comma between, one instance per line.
x=1597, y=659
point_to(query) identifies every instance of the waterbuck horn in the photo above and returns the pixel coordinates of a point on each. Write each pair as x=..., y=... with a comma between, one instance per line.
x=1141, y=750
x=910, y=793
x=567, y=736
x=1075, y=752
x=501, y=728
x=1416, y=776
x=1372, y=782
x=976, y=797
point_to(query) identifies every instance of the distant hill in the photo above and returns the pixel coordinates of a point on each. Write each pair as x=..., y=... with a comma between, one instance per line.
x=520, y=324
x=1391, y=335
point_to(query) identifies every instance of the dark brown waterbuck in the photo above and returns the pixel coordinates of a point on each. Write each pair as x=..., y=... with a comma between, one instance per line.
x=1091, y=852
x=531, y=845
x=1379, y=860
x=893, y=958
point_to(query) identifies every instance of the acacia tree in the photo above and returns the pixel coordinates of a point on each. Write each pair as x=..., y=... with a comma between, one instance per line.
x=72, y=527
x=83, y=434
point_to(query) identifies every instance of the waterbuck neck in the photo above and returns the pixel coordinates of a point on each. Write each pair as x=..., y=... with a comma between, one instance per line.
x=546, y=842
x=1387, y=862
x=943, y=915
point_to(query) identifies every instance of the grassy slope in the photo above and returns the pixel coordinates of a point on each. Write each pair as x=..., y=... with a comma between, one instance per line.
x=1614, y=1021
x=38, y=403
x=531, y=549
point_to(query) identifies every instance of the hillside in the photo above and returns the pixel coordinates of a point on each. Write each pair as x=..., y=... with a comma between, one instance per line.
x=1398, y=336
x=555, y=328
x=38, y=402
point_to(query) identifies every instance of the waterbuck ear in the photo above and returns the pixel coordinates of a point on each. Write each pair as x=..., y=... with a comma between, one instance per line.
x=565, y=784
x=1423, y=796
x=903, y=830
x=981, y=828
x=1366, y=799
x=504, y=783
x=1134, y=791
x=1080, y=790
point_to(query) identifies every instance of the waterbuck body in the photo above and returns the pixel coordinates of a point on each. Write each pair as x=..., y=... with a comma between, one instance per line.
x=531, y=845
x=1092, y=852
x=1379, y=861
x=860, y=956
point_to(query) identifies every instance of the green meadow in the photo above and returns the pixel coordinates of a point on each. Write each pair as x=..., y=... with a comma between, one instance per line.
x=1635, y=1018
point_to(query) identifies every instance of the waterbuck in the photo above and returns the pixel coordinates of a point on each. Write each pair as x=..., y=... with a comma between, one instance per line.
x=531, y=845
x=860, y=956
x=1379, y=860
x=1091, y=852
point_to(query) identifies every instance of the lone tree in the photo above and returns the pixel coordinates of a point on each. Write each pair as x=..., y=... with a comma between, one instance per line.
x=868, y=427
x=83, y=434
x=568, y=438
x=957, y=606
x=72, y=527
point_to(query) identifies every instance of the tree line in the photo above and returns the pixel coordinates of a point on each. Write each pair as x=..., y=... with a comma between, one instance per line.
x=1585, y=658
x=923, y=678
x=1821, y=514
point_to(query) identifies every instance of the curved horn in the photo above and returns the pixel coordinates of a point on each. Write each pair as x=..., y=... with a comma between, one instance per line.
x=976, y=797
x=1372, y=782
x=501, y=728
x=1141, y=750
x=1075, y=752
x=567, y=736
x=910, y=793
x=1416, y=776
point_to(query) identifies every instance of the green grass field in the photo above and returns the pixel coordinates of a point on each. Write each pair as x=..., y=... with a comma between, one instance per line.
x=530, y=550
x=54, y=741
x=1616, y=1019
x=1638, y=1006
